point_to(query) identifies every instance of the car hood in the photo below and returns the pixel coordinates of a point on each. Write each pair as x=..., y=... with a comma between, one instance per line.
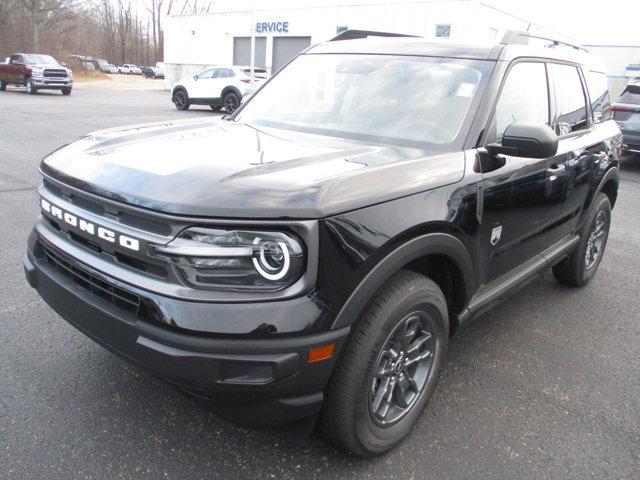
x=221, y=168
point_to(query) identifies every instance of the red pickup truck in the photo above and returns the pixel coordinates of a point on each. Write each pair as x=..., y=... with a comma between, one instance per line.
x=35, y=72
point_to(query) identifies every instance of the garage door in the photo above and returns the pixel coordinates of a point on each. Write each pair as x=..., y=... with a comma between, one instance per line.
x=285, y=48
x=242, y=51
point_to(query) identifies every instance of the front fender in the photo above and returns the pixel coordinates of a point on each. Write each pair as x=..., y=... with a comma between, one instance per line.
x=431, y=243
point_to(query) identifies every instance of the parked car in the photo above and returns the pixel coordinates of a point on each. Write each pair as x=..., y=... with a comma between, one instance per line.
x=81, y=62
x=124, y=69
x=101, y=64
x=134, y=70
x=219, y=87
x=626, y=113
x=113, y=69
x=35, y=72
x=152, y=72
x=311, y=254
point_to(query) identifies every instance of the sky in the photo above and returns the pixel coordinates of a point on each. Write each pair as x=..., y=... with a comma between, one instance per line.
x=612, y=22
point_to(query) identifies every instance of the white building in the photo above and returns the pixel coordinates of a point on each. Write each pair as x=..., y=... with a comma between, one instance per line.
x=285, y=27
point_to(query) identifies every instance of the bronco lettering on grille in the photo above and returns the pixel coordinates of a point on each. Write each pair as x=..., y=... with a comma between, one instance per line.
x=89, y=227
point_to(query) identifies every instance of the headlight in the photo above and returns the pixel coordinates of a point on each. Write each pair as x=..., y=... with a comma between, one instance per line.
x=236, y=259
x=37, y=72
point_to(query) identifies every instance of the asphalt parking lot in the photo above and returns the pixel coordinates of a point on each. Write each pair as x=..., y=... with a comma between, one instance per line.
x=544, y=386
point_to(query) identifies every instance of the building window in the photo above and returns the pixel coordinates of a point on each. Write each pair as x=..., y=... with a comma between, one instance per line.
x=443, y=31
x=341, y=28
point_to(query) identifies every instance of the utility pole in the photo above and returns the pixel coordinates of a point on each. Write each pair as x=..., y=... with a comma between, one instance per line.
x=253, y=41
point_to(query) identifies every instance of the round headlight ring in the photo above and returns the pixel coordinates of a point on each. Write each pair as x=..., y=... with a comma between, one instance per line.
x=262, y=265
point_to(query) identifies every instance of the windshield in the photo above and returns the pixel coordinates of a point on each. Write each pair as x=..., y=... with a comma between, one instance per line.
x=388, y=99
x=40, y=59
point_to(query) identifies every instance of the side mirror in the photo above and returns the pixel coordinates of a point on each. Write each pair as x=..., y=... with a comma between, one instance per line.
x=195, y=77
x=531, y=140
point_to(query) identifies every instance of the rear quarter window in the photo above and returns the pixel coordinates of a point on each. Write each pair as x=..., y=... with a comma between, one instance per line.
x=571, y=109
x=599, y=96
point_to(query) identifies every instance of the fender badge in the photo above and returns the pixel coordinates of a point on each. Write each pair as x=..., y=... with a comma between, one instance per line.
x=496, y=233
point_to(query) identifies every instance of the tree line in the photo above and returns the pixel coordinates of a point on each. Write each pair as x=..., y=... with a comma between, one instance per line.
x=120, y=31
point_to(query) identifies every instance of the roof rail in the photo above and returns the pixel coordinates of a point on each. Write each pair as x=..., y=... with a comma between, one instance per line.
x=353, y=34
x=515, y=37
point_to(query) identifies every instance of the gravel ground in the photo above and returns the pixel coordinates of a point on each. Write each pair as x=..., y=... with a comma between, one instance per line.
x=544, y=386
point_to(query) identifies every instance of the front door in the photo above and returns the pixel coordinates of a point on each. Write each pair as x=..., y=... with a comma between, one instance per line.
x=523, y=198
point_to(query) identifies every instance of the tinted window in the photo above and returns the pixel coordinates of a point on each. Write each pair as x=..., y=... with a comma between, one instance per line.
x=599, y=95
x=631, y=95
x=524, y=97
x=571, y=108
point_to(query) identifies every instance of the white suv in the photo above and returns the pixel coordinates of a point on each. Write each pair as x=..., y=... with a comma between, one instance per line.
x=217, y=87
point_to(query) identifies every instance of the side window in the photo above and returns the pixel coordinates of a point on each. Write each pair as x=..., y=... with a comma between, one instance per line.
x=599, y=95
x=206, y=74
x=17, y=59
x=571, y=108
x=524, y=97
x=223, y=73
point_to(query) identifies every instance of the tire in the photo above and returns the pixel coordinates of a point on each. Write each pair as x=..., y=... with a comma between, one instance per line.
x=181, y=100
x=231, y=102
x=28, y=85
x=355, y=415
x=216, y=108
x=66, y=91
x=581, y=265
x=3, y=85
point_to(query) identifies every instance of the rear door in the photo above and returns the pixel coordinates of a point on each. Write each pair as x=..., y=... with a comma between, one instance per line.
x=583, y=142
x=523, y=198
x=16, y=67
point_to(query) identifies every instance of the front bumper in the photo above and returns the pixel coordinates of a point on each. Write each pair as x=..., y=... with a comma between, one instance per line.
x=252, y=381
x=51, y=82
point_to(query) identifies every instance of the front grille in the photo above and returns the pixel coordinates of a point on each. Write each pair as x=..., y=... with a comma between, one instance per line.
x=50, y=72
x=113, y=294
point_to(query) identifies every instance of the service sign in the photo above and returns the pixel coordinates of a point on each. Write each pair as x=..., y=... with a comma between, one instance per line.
x=272, y=27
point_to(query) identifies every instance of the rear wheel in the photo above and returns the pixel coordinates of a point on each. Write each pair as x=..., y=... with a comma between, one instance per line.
x=29, y=87
x=231, y=102
x=580, y=267
x=66, y=91
x=3, y=85
x=389, y=367
x=181, y=100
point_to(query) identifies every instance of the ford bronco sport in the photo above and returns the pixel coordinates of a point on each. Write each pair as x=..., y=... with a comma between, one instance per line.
x=306, y=259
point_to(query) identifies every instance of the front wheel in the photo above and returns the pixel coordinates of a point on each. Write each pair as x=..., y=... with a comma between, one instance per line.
x=389, y=368
x=66, y=91
x=28, y=85
x=580, y=267
x=231, y=102
x=181, y=100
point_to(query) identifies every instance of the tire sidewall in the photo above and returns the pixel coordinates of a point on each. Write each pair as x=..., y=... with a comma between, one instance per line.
x=376, y=439
x=3, y=85
x=602, y=204
x=29, y=87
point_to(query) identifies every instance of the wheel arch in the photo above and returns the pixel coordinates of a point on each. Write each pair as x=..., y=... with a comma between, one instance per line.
x=231, y=88
x=439, y=255
x=178, y=88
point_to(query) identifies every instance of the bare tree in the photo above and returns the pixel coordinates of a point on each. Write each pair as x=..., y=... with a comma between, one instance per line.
x=48, y=14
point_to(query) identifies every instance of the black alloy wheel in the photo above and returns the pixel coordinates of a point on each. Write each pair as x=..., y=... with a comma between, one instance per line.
x=181, y=100
x=231, y=102
x=402, y=368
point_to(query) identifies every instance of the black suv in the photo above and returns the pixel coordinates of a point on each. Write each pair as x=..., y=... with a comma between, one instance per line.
x=306, y=259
